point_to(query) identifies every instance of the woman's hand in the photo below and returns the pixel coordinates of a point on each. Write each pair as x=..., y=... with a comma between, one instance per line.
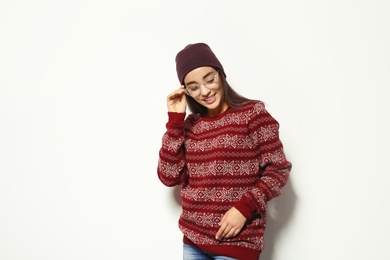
x=176, y=101
x=231, y=224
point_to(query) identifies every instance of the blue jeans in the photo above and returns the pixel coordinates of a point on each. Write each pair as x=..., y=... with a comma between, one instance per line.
x=193, y=253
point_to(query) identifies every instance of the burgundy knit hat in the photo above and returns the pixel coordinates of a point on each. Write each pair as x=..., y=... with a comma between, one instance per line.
x=194, y=56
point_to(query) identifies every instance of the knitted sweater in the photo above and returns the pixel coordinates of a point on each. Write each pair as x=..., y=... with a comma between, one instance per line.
x=234, y=159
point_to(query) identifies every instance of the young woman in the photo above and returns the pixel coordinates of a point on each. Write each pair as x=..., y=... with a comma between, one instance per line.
x=227, y=157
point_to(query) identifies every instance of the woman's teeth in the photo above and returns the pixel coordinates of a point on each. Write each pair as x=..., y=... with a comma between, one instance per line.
x=209, y=98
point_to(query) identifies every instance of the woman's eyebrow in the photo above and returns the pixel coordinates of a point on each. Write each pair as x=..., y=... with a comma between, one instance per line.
x=208, y=74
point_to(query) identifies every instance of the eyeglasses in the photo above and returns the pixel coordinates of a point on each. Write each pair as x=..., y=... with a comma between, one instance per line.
x=193, y=89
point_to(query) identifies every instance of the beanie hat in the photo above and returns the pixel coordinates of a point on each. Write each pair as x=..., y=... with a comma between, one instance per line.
x=194, y=56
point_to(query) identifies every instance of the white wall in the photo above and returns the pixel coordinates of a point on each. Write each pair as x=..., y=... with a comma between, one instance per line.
x=82, y=111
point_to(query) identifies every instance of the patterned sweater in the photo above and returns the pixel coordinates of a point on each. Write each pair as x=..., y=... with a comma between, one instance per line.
x=234, y=159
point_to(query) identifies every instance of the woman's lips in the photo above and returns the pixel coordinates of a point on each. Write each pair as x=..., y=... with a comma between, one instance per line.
x=210, y=99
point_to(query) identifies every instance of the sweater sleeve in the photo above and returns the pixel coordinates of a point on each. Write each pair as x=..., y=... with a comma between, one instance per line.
x=171, y=168
x=274, y=167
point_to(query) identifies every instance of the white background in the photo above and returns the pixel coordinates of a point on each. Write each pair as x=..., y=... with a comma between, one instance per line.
x=82, y=112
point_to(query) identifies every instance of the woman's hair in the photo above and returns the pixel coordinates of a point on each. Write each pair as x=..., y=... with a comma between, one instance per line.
x=230, y=96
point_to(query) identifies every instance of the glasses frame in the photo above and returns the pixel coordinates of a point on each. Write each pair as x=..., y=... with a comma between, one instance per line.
x=215, y=77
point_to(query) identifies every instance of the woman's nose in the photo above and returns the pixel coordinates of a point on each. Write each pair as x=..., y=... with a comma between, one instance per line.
x=204, y=90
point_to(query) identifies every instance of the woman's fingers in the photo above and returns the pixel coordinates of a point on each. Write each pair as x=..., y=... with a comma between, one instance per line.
x=176, y=101
x=231, y=224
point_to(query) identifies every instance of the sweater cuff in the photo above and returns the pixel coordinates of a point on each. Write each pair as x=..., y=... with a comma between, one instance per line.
x=175, y=119
x=244, y=209
x=247, y=207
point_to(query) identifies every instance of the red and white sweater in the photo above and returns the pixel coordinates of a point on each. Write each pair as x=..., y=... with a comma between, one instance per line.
x=234, y=159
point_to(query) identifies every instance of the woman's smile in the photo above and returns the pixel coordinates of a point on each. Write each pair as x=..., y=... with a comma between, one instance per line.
x=210, y=99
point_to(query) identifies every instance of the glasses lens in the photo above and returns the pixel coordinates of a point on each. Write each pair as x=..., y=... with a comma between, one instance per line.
x=192, y=87
x=210, y=79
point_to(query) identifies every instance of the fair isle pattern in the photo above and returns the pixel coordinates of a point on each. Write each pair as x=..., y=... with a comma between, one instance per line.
x=226, y=141
x=196, y=238
x=172, y=170
x=204, y=219
x=171, y=144
x=274, y=156
x=268, y=132
x=235, y=159
x=224, y=167
x=213, y=194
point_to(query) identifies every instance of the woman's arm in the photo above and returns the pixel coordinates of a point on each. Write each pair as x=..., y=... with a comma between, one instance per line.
x=171, y=164
x=274, y=167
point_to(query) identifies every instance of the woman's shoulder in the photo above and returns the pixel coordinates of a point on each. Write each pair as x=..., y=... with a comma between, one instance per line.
x=251, y=106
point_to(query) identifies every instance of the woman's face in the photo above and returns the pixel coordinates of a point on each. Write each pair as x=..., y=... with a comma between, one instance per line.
x=205, y=87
